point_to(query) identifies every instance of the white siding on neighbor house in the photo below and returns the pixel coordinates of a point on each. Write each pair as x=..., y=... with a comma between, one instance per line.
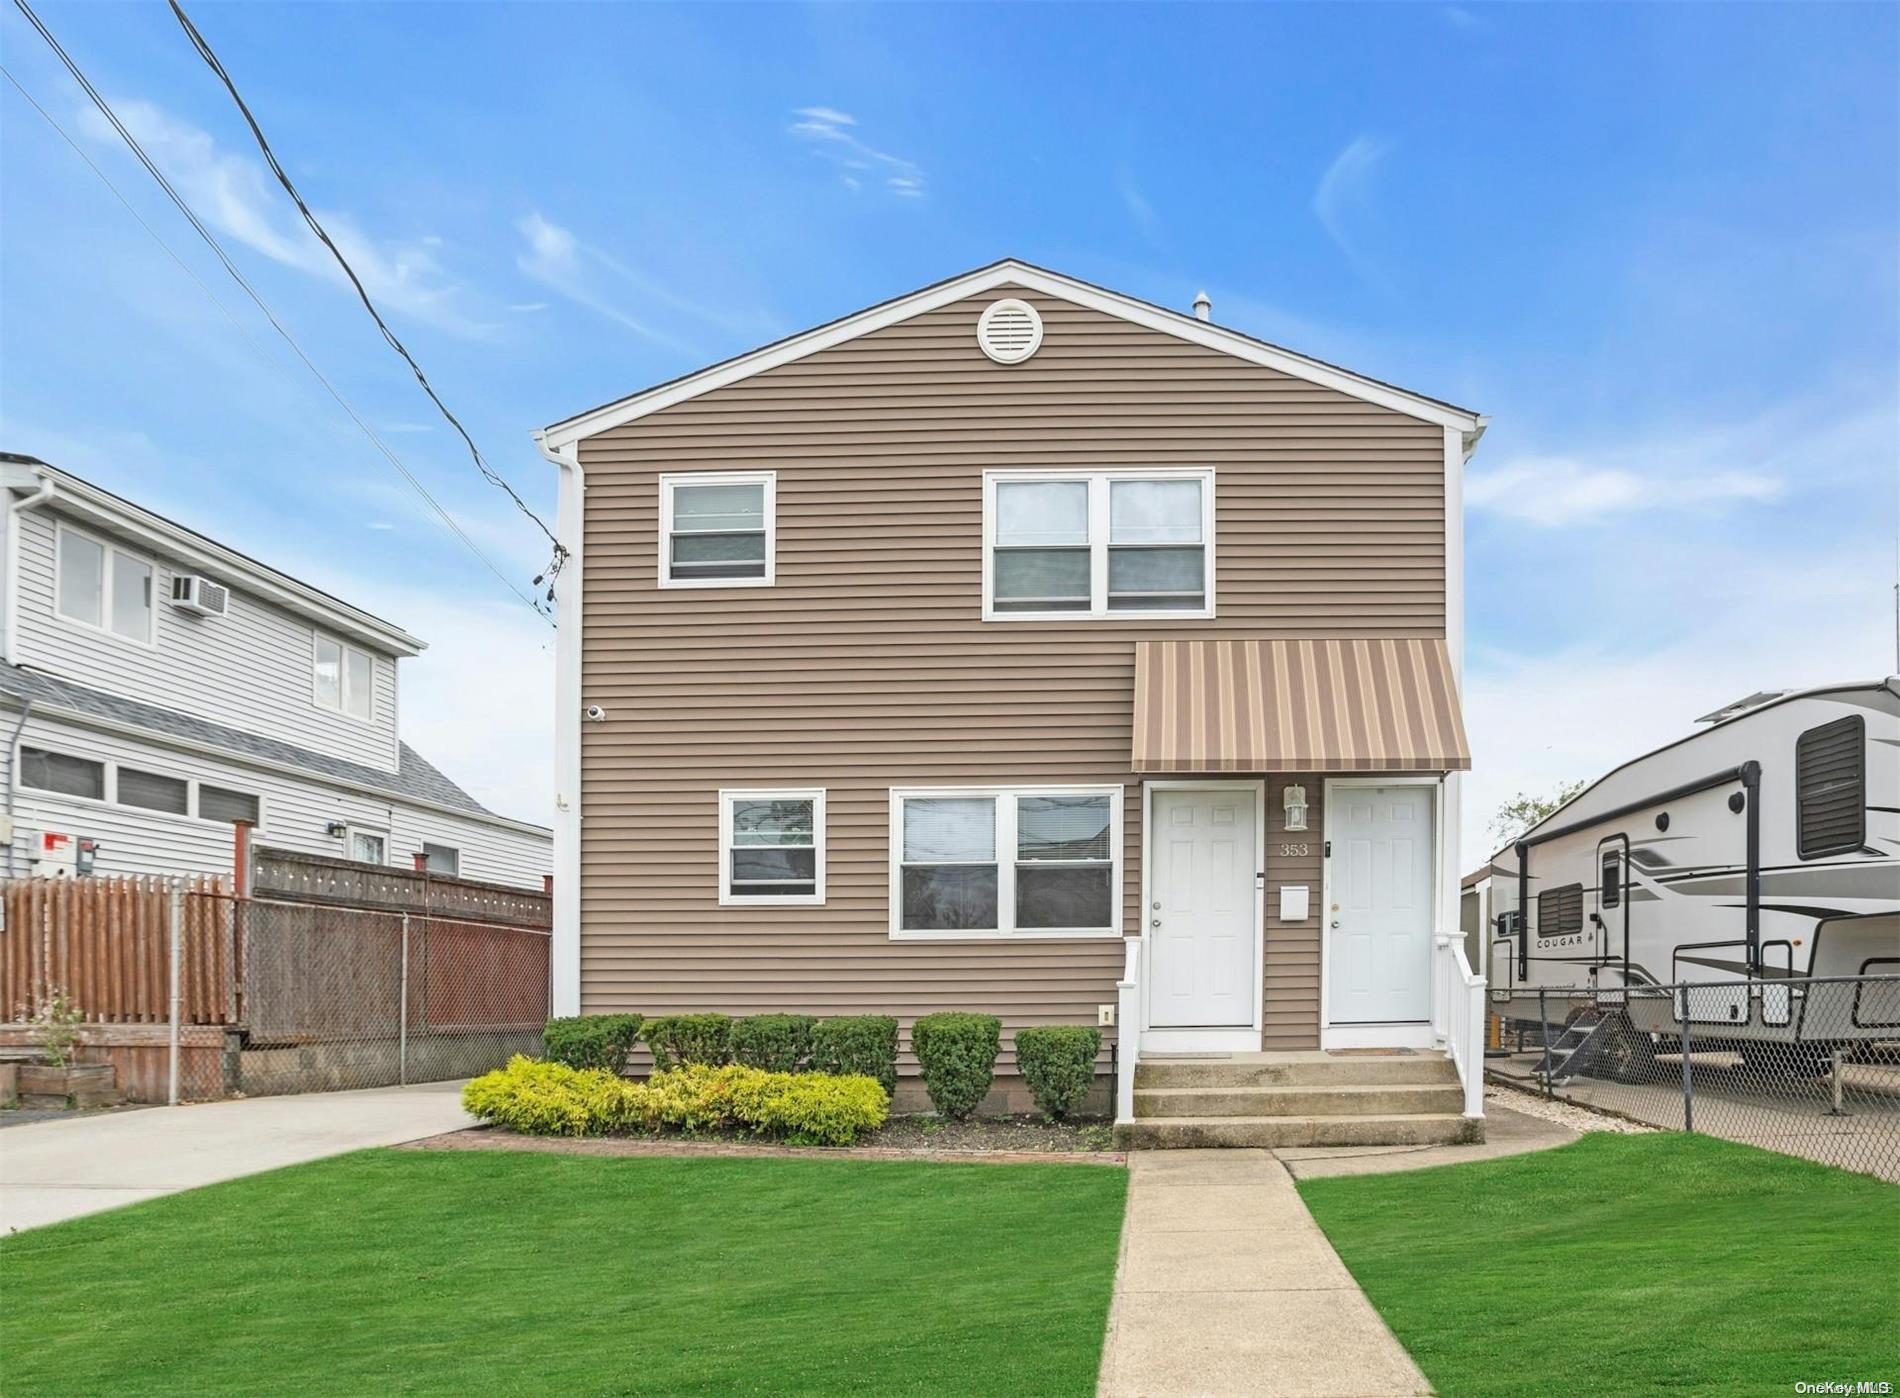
x=295, y=814
x=251, y=669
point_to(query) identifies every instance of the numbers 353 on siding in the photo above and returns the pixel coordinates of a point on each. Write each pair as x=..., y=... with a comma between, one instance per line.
x=1290, y=851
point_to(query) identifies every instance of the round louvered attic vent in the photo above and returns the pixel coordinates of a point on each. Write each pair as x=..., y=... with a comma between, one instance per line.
x=1009, y=331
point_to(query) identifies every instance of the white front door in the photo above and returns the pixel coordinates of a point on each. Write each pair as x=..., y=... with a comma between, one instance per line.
x=1379, y=927
x=1201, y=924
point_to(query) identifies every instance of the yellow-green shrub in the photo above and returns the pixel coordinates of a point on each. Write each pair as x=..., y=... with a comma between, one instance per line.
x=551, y=1099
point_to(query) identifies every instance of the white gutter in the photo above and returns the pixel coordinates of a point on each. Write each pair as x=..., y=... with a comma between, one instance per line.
x=566, y=946
x=15, y=504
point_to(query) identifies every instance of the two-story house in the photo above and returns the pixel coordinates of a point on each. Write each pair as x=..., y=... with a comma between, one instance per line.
x=156, y=687
x=1022, y=647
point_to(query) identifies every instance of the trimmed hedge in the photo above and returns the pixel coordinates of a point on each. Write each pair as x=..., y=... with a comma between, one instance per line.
x=591, y=1041
x=958, y=1055
x=677, y=1040
x=1058, y=1063
x=552, y=1099
x=777, y=1043
x=857, y=1044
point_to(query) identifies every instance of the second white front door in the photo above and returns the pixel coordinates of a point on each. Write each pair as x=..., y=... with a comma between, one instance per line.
x=1379, y=924
x=1202, y=929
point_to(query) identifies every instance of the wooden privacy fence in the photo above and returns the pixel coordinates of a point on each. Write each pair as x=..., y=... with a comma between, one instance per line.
x=106, y=942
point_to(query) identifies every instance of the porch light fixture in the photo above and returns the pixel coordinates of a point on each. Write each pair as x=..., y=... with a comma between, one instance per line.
x=1295, y=802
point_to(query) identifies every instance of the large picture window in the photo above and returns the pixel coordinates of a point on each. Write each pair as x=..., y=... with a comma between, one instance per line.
x=717, y=529
x=1097, y=544
x=772, y=848
x=1029, y=862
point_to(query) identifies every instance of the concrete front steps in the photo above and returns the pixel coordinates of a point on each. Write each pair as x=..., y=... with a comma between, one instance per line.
x=1188, y=1101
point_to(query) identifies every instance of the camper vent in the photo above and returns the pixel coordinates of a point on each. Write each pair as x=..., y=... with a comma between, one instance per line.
x=1009, y=331
x=1560, y=911
x=200, y=595
x=1830, y=787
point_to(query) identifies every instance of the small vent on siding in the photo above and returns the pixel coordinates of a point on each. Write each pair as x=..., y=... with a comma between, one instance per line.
x=1009, y=331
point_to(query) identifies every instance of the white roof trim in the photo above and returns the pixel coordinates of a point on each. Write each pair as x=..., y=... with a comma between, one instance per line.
x=1006, y=273
x=197, y=553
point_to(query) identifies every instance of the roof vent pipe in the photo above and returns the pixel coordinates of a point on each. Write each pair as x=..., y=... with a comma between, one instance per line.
x=1203, y=308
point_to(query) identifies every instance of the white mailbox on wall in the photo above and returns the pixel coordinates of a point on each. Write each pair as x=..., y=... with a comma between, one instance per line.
x=1293, y=902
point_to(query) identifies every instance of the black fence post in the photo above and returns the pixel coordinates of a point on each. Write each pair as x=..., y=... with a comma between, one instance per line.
x=1688, y=1075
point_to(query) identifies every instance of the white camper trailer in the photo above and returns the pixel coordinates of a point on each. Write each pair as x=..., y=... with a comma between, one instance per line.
x=1747, y=857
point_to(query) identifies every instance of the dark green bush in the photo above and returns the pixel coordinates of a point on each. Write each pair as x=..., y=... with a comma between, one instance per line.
x=958, y=1055
x=1058, y=1063
x=681, y=1039
x=591, y=1041
x=865, y=1044
x=776, y=1043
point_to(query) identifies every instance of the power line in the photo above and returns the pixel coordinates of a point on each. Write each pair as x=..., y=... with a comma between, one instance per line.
x=237, y=275
x=493, y=477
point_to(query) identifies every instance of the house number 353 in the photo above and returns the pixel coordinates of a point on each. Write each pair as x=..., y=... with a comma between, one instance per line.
x=1293, y=851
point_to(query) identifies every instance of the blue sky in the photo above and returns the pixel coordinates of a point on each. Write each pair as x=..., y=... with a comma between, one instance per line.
x=1656, y=244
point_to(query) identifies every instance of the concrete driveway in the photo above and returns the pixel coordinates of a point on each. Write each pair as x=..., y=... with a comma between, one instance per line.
x=54, y=1170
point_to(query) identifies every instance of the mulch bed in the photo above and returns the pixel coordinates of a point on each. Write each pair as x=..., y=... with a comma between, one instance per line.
x=1005, y=1141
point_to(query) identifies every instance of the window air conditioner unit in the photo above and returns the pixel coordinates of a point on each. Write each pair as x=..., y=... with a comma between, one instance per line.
x=200, y=595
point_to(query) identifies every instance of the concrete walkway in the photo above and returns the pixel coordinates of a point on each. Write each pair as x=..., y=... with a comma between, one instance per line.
x=1226, y=1286
x=54, y=1170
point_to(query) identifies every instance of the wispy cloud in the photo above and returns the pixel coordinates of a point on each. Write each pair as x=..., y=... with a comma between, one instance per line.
x=237, y=198
x=1458, y=17
x=1344, y=194
x=832, y=136
x=1139, y=209
x=528, y=307
x=592, y=277
x=1553, y=491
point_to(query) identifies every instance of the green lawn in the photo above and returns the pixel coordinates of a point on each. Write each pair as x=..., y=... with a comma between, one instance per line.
x=1625, y=1264
x=485, y=1271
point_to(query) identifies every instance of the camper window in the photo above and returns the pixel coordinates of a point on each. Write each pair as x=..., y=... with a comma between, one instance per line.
x=1610, y=893
x=1830, y=788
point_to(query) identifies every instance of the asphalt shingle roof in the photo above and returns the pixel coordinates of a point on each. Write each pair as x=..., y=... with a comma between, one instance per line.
x=415, y=777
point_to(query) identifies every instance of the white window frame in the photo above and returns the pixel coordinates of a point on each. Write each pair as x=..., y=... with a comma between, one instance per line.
x=109, y=551
x=669, y=483
x=813, y=794
x=1006, y=861
x=1098, y=483
x=37, y=795
x=424, y=846
x=351, y=830
x=343, y=678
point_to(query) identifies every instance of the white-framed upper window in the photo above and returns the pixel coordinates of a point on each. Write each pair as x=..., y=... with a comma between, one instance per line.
x=772, y=847
x=445, y=860
x=100, y=585
x=343, y=678
x=718, y=529
x=1040, y=861
x=1077, y=545
x=365, y=845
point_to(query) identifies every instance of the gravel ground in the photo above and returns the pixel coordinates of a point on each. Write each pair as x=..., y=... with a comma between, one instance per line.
x=1563, y=1113
x=1015, y=1134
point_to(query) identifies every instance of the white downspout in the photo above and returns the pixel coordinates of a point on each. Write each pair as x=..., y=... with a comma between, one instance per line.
x=565, y=964
x=10, y=622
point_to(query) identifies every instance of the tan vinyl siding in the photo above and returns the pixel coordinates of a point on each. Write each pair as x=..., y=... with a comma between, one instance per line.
x=868, y=665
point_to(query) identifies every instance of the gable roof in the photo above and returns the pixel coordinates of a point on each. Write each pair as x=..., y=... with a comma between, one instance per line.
x=1009, y=272
x=415, y=778
x=180, y=543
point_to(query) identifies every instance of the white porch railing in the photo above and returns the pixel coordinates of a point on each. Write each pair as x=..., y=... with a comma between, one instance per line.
x=1458, y=1012
x=1127, y=1030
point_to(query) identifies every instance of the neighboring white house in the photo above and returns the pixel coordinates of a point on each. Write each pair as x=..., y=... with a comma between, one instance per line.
x=157, y=686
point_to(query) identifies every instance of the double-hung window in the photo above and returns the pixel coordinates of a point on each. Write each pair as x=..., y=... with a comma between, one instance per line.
x=772, y=848
x=1098, y=544
x=102, y=586
x=1030, y=862
x=717, y=529
x=343, y=678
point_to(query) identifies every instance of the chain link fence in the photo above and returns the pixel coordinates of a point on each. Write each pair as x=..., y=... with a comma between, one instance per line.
x=330, y=998
x=1808, y=1067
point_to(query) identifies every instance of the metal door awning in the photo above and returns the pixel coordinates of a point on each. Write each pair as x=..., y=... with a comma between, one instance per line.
x=1387, y=704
